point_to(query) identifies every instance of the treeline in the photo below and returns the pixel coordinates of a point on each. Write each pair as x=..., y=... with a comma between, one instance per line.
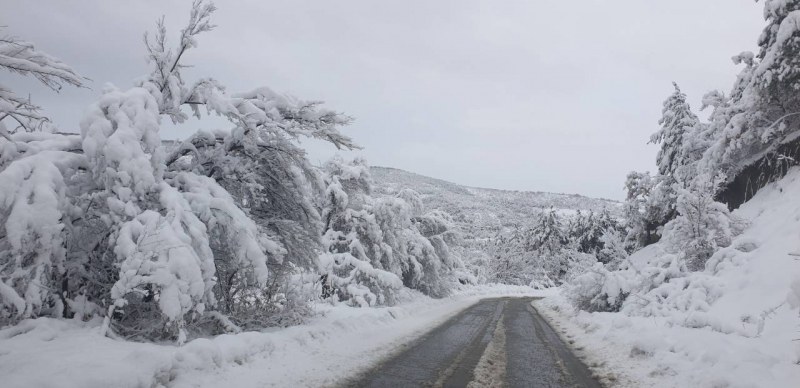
x=554, y=247
x=705, y=169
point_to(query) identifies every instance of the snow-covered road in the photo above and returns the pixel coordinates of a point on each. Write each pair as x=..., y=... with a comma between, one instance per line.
x=334, y=345
x=496, y=342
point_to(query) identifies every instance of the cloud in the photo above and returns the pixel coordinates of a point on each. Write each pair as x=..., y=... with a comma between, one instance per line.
x=547, y=95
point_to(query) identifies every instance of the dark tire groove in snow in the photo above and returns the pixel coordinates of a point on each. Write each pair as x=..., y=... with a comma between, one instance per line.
x=460, y=372
x=448, y=354
x=536, y=355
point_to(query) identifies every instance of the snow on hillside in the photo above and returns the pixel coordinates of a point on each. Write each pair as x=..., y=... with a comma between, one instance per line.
x=486, y=208
x=735, y=324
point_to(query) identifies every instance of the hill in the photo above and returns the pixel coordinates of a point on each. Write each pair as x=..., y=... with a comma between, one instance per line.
x=485, y=208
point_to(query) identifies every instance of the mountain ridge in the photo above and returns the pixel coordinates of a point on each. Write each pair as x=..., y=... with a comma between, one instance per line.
x=485, y=208
x=373, y=168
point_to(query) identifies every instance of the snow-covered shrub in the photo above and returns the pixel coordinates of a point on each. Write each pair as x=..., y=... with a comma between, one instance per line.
x=372, y=247
x=703, y=224
x=160, y=224
x=598, y=289
x=413, y=257
x=510, y=263
x=576, y=263
x=354, y=253
x=613, y=252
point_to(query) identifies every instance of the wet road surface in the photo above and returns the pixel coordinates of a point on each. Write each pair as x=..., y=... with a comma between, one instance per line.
x=447, y=356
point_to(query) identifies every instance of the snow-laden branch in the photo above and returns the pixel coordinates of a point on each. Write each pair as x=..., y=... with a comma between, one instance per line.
x=21, y=57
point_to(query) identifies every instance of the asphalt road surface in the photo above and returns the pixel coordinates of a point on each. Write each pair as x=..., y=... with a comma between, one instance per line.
x=495, y=343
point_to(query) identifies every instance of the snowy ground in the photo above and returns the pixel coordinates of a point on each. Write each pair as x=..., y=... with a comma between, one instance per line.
x=339, y=342
x=651, y=352
x=733, y=325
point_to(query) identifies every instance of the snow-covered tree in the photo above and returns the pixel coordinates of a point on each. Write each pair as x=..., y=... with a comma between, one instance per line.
x=414, y=258
x=354, y=253
x=375, y=245
x=613, y=253
x=649, y=204
x=755, y=128
x=539, y=254
x=678, y=125
x=35, y=168
x=159, y=242
x=35, y=211
x=512, y=263
x=585, y=231
x=703, y=224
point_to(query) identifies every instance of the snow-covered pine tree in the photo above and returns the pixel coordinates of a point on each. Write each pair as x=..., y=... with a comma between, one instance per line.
x=613, y=253
x=577, y=227
x=585, y=231
x=678, y=125
x=649, y=204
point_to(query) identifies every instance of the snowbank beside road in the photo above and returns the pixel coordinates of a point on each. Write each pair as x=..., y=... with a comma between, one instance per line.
x=651, y=352
x=736, y=324
x=337, y=343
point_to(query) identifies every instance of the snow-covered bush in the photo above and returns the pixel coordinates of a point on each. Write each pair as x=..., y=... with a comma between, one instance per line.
x=598, y=289
x=702, y=226
x=355, y=257
x=373, y=246
x=613, y=252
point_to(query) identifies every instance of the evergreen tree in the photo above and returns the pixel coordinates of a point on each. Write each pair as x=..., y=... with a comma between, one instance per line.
x=678, y=125
x=649, y=204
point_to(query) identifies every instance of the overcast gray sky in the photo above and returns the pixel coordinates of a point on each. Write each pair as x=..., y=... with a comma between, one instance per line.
x=545, y=95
